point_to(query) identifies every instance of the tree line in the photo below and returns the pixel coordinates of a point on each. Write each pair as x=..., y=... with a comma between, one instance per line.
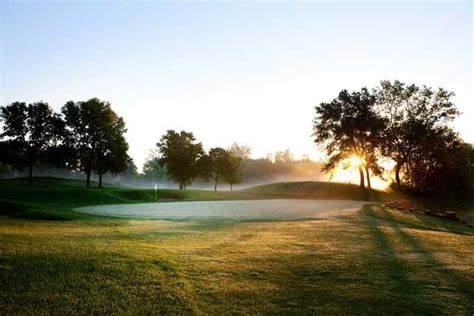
x=185, y=160
x=236, y=158
x=86, y=136
x=406, y=124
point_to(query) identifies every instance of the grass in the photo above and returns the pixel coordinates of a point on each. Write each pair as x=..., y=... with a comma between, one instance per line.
x=376, y=261
x=54, y=199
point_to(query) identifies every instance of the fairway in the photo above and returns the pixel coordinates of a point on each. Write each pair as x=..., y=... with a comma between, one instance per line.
x=273, y=249
x=274, y=209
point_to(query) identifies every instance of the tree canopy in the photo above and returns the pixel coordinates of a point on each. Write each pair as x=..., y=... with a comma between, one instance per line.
x=404, y=123
x=348, y=126
x=96, y=133
x=30, y=134
x=180, y=153
x=411, y=116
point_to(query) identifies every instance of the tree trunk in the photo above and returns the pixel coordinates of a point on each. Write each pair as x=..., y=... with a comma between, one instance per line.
x=88, y=180
x=367, y=173
x=100, y=180
x=361, y=174
x=397, y=173
x=231, y=187
x=30, y=174
x=215, y=184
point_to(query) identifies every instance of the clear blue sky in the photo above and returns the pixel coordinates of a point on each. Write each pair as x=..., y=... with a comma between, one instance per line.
x=227, y=71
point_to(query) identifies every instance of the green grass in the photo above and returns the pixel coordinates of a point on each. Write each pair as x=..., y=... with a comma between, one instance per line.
x=55, y=199
x=320, y=190
x=376, y=261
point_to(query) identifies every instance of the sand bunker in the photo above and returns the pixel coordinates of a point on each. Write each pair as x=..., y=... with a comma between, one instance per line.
x=277, y=209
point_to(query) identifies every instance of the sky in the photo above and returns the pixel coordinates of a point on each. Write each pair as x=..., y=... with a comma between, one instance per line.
x=245, y=72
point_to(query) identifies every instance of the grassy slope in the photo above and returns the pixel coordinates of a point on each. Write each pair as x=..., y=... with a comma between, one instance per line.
x=54, y=199
x=319, y=190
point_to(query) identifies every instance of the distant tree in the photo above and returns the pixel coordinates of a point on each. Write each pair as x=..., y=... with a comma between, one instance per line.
x=219, y=164
x=261, y=169
x=30, y=132
x=152, y=169
x=180, y=154
x=131, y=172
x=348, y=126
x=232, y=173
x=95, y=132
x=284, y=156
x=411, y=114
x=240, y=151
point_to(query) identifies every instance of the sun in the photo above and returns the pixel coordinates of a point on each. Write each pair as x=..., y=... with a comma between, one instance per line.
x=355, y=161
x=347, y=171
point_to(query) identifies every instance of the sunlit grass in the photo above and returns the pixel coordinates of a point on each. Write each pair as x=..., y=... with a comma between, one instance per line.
x=374, y=261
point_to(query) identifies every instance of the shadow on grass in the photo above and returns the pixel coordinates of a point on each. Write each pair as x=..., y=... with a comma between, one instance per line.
x=423, y=222
x=399, y=270
x=396, y=270
x=451, y=276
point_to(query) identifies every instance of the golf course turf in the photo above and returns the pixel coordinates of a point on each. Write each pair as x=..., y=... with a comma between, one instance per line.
x=375, y=260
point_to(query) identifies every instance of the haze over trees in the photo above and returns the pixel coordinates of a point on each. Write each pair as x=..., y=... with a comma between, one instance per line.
x=152, y=168
x=405, y=124
x=240, y=168
x=221, y=165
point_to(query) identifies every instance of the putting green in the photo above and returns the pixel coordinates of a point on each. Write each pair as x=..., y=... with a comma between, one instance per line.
x=273, y=209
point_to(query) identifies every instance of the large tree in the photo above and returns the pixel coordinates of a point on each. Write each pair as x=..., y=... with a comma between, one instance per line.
x=112, y=154
x=95, y=132
x=411, y=115
x=180, y=153
x=349, y=126
x=30, y=133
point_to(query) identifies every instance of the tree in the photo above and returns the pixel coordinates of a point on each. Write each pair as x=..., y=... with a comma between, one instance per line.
x=31, y=132
x=95, y=132
x=240, y=151
x=348, y=127
x=152, y=169
x=131, y=172
x=112, y=149
x=180, y=154
x=442, y=164
x=284, y=156
x=232, y=174
x=219, y=164
x=410, y=114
